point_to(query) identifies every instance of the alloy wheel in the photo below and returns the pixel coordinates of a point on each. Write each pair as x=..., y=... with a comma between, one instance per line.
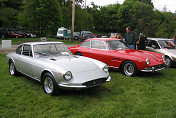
x=48, y=85
x=129, y=69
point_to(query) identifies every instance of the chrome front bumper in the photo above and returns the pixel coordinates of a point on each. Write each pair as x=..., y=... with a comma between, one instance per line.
x=82, y=86
x=155, y=68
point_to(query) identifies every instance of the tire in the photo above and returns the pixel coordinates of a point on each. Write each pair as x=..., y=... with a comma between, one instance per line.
x=168, y=62
x=12, y=69
x=129, y=68
x=49, y=84
x=79, y=53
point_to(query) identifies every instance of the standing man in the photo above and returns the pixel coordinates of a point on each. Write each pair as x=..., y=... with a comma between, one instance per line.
x=131, y=38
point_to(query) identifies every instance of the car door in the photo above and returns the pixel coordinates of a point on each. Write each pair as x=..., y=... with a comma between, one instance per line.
x=84, y=48
x=99, y=51
x=26, y=60
x=17, y=57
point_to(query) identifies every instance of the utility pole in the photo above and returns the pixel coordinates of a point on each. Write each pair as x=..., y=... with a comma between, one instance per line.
x=85, y=4
x=73, y=19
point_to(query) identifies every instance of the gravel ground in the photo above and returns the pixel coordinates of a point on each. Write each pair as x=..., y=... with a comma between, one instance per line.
x=13, y=48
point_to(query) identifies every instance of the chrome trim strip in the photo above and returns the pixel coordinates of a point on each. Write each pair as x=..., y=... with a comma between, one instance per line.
x=113, y=67
x=153, y=70
x=30, y=76
x=72, y=86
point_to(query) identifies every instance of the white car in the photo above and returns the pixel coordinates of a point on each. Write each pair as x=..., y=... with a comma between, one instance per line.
x=165, y=47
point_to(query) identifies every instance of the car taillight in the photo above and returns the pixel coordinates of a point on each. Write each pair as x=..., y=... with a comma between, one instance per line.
x=83, y=37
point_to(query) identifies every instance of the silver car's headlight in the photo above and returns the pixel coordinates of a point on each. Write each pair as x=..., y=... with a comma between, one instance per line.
x=147, y=61
x=106, y=68
x=68, y=75
x=164, y=58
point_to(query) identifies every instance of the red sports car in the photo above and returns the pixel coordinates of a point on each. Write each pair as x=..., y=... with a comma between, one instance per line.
x=117, y=56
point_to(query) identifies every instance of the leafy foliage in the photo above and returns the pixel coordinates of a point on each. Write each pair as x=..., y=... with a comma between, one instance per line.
x=44, y=17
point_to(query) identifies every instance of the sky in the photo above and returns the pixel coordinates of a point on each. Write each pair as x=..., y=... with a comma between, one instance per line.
x=158, y=4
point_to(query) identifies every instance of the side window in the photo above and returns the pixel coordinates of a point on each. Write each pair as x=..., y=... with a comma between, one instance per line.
x=27, y=50
x=98, y=44
x=147, y=42
x=85, y=44
x=153, y=44
x=19, y=49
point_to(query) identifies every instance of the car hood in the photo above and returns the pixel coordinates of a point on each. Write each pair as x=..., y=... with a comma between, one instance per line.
x=139, y=55
x=171, y=52
x=71, y=63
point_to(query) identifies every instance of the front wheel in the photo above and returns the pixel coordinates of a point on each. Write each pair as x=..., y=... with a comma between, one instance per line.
x=129, y=68
x=12, y=69
x=79, y=53
x=49, y=84
x=168, y=62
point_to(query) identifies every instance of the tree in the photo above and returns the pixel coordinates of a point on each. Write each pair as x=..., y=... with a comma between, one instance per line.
x=9, y=12
x=43, y=16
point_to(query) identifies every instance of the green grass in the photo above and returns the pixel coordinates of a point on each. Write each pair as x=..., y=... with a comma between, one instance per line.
x=149, y=95
x=22, y=40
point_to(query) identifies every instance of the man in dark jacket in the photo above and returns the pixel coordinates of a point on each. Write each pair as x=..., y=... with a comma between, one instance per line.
x=130, y=38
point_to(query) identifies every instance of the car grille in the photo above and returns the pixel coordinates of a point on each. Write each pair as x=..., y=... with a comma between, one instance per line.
x=160, y=66
x=95, y=82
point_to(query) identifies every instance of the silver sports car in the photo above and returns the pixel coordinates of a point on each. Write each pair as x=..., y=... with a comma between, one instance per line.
x=55, y=67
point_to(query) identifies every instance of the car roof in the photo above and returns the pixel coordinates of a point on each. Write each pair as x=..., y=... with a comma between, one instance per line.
x=39, y=43
x=103, y=39
x=158, y=39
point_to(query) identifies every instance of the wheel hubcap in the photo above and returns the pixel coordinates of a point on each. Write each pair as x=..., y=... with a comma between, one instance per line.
x=48, y=85
x=167, y=61
x=128, y=69
x=12, y=69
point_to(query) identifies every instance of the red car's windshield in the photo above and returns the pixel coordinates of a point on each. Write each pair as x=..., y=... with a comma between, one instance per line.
x=116, y=45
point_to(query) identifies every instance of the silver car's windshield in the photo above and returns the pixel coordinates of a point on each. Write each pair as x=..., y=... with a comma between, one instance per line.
x=116, y=45
x=51, y=50
x=169, y=44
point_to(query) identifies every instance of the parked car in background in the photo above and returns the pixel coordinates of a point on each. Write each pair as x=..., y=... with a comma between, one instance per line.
x=165, y=47
x=113, y=34
x=60, y=32
x=76, y=35
x=15, y=34
x=63, y=33
x=117, y=56
x=55, y=67
x=32, y=35
x=4, y=32
x=86, y=35
x=95, y=35
x=102, y=36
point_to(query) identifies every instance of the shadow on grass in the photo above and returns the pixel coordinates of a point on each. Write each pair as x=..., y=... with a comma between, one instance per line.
x=142, y=74
x=95, y=91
